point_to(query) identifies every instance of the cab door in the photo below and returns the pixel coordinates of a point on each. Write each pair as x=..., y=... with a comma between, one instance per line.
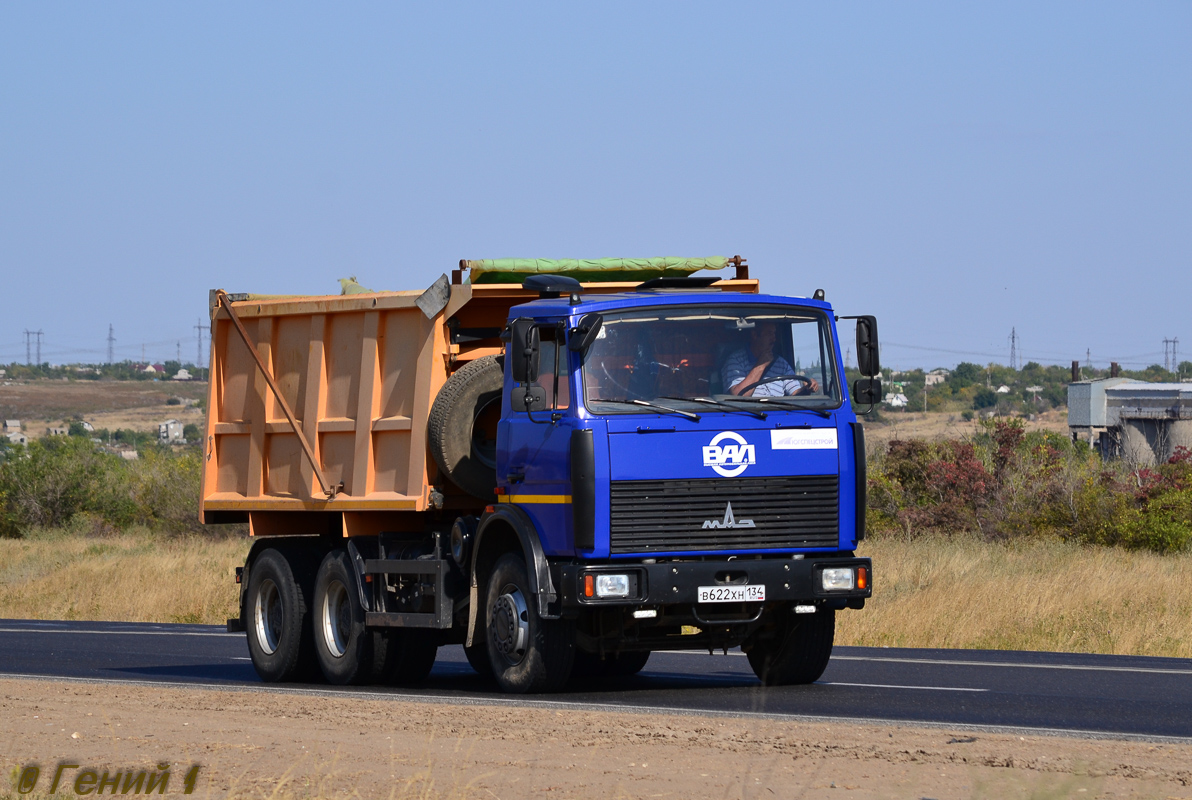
x=533, y=445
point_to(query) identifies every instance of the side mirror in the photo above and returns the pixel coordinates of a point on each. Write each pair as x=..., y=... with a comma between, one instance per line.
x=580, y=337
x=525, y=350
x=867, y=348
x=867, y=391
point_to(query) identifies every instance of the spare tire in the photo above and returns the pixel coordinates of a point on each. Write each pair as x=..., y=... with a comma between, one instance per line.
x=462, y=429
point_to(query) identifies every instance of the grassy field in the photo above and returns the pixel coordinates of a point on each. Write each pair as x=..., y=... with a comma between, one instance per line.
x=137, y=405
x=132, y=577
x=1030, y=594
x=931, y=592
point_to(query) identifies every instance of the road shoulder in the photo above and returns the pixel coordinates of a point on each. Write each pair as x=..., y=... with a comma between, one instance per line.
x=281, y=745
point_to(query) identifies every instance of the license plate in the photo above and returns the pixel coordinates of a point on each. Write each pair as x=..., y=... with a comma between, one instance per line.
x=749, y=593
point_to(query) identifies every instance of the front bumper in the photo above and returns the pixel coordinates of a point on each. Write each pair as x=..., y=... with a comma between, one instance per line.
x=677, y=582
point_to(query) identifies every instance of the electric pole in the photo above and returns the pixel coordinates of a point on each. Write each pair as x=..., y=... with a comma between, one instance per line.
x=199, y=347
x=179, y=351
x=29, y=352
x=111, y=343
x=38, y=333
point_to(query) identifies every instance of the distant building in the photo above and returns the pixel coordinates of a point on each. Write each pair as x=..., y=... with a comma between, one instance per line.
x=16, y=437
x=149, y=369
x=87, y=426
x=1003, y=389
x=12, y=426
x=1143, y=423
x=896, y=400
x=3, y=373
x=57, y=431
x=170, y=431
x=935, y=377
x=183, y=375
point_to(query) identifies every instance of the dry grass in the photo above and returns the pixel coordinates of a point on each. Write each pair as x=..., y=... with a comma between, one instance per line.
x=961, y=592
x=131, y=577
x=937, y=425
x=931, y=592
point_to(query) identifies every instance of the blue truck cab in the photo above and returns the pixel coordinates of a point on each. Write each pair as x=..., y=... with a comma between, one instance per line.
x=686, y=470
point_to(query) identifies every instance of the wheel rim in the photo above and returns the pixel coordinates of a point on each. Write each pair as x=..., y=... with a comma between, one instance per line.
x=336, y=615
x=510, y=625
x=484, y=428
x=268, y=616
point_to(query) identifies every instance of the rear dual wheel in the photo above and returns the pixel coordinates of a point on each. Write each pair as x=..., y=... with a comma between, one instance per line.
x=279, y=636
x=348, y=652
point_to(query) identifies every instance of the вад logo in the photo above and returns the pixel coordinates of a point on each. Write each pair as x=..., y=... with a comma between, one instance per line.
x=729, y=460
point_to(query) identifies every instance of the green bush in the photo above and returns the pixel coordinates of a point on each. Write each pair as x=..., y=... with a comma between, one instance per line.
x=54, y=480
x=1006, y=483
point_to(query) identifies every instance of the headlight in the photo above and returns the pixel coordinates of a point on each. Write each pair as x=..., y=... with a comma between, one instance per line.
x=612, y=585
x=836, y=578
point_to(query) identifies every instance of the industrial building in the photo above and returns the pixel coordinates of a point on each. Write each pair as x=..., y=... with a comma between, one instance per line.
x=1142, y=423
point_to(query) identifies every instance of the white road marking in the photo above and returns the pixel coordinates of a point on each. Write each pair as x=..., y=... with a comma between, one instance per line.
x=892, y=686
x=959, y=663
x=120, y=633
x=951, y=663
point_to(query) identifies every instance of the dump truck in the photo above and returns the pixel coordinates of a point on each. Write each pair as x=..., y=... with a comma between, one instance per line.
x=562, y=466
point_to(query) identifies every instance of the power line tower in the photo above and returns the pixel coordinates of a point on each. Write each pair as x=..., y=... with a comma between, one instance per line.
x=111, y=343
x=1168, y=353
x=29, y=335
x=199, y=344
x=1014, y=349
x=179, y=353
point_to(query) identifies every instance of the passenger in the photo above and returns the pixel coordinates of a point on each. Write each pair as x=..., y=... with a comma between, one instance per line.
x=744, y=370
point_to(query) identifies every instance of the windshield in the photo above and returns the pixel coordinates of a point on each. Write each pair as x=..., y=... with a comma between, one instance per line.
x=741, y=356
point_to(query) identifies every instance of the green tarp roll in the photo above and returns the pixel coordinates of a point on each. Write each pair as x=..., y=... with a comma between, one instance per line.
x=515, y=270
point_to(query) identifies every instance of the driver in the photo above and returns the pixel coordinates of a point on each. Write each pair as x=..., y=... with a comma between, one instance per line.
x=758, y=362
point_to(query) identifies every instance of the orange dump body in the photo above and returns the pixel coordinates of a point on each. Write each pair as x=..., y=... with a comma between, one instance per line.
x=358, y=374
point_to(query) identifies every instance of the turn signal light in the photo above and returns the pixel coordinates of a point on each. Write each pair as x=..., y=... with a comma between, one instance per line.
x=589, y=586
x=862, y=578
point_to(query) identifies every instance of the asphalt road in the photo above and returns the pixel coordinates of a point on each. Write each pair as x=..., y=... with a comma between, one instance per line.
x=1060, y=692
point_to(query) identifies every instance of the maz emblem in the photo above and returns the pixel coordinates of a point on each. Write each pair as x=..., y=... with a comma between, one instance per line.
x=729, y=520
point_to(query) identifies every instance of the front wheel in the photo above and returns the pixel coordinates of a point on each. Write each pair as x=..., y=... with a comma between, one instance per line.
x=527, y=653
x=799, y=650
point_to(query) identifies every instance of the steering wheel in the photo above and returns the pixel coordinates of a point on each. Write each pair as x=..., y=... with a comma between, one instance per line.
x=773, y=379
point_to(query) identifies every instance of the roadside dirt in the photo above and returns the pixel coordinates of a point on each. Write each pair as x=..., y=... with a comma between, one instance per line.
x=271, y=745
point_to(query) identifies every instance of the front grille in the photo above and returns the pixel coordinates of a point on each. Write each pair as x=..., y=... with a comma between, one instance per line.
x=669, y=516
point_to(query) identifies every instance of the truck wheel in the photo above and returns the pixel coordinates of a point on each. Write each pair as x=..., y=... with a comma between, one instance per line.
x=403, y=656
x=275, y=618
x=478, y=657
x=799, y=653
x=621, y=665
x=462, y=428
x=528, y=653
x=343, y=645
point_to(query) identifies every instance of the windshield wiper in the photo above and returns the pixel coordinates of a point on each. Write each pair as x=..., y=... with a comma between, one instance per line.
x=708, y=401
x=785, y=402
x=659, y=407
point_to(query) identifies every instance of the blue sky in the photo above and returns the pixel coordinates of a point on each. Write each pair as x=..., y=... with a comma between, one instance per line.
x=957, y=169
